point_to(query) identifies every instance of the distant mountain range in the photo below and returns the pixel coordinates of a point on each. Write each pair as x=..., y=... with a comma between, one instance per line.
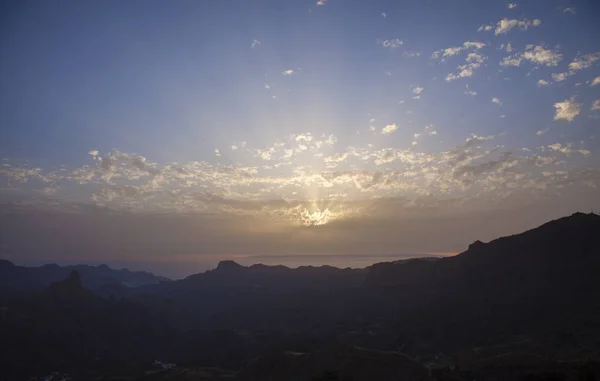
x=524, y=307
x=93, y=277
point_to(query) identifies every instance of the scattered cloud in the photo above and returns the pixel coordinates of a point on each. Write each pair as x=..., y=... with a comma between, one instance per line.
x=559, y=77
x=584, y=62
x=567, y=149
x=411, y=54
x=389, y=129
x=418, y=90
x=391, y=44
x=452, y=51
x=383, y=14
x=567, y=110
x=595, y=81
x=570, y=10
x=505, y=25
x=540, y=55
x=470, y=92
x=322, y=2
x=254, y=44
x=288, y=72
x=543, y=82
x=512, y=5
x=485, y=28
x=535, y=54
x=541, y=132
x=474, y=61
x=496, y=101
x=595, y=105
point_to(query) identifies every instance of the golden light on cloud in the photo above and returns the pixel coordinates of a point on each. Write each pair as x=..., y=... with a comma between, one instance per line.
x=316, y=217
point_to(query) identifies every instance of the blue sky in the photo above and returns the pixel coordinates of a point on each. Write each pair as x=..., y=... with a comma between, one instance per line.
x=298, y=114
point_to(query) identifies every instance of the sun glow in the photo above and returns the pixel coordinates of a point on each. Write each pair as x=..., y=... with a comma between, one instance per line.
x=316, y=217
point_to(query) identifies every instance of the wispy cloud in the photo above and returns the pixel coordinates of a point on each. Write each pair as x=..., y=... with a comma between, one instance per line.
x=391, y=44
x=506, y=25
x=254, y=44
x=584, y=62
x=496, y=101
x=512, y=5
x=288, y=72
x=542, y=82
x=535, y=54
x=595, y=81
x=474, y=62
x=595, y=105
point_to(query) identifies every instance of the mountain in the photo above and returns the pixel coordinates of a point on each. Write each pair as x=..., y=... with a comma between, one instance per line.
x=93, y=277
x=67, y=328
x=523, y=307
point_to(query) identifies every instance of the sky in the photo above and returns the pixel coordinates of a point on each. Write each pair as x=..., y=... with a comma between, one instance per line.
x=170, y=135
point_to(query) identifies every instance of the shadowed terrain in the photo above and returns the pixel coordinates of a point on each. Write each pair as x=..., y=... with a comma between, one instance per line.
x=520, y=307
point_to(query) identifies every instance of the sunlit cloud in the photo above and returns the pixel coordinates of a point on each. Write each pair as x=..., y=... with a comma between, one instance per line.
x=535, y=54
x=288, y=72
x=567, y=110
x=505, y=25
x=388, y=129
x=595, y=105
x=584, y=62
x=496, y=101
x=595, y=81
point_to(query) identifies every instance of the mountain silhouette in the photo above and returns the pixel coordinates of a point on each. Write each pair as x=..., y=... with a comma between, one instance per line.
x=93, y=277
x=523, y=307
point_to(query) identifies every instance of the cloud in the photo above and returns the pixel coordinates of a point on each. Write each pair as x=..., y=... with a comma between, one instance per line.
x=559, y=77
x=474, y=61
x=542, y=82
x=388, y=129
x=542, y=56
x=595, y=81
x=512, y=5
x=322, y=2
x=485, y=28
x=541, y=132
x=288, y=72
x=418, y=90
x=595, y=105
x=411, y=54
x=496, y=101
x=567, y=110
x=470, y=92
x=570, y=10
x=584, y=62
x=567, y=149
x=391, y=44
x=536, y=54
x=448, y=52
x=505, y=25
x=254, y=44
x=383, y=14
